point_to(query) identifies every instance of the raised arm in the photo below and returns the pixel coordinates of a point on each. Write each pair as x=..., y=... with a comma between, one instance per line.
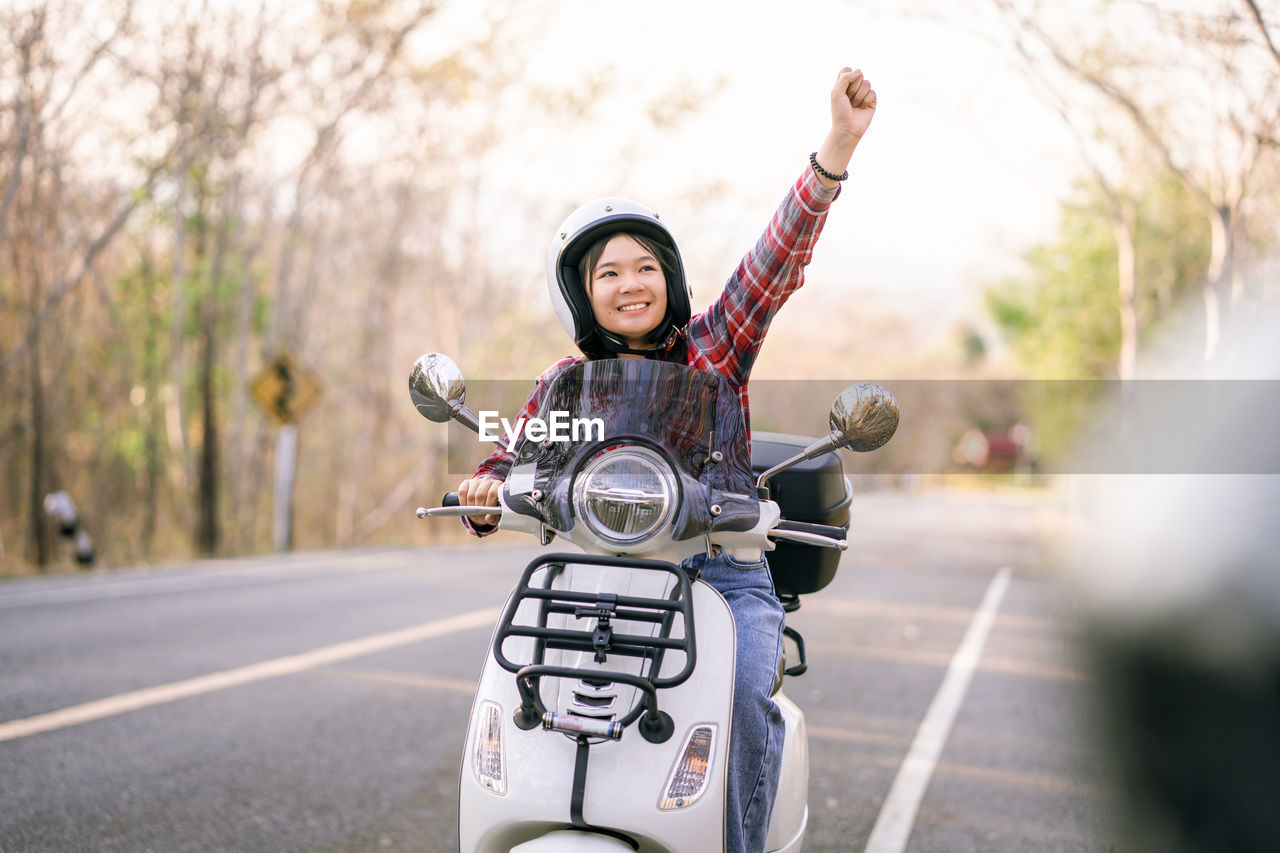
x=853, y=105
x=728, y=335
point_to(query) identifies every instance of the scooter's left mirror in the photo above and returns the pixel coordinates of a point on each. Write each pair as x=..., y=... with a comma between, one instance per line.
x=864, y=417
x=439, y=392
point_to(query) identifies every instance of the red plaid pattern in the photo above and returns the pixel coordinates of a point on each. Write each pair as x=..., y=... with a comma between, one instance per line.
x=726, y=338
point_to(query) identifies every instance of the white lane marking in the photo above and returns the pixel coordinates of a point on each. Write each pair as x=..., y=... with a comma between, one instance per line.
x=898, y=814
x=146, y=697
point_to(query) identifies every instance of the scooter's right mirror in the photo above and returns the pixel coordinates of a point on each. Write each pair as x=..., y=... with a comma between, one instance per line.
x=864, y=417
x=439, y=392
x=436, y=387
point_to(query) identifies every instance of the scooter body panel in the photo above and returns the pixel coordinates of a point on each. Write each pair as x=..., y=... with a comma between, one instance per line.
x=796, y=843
x=791, y=803
x=625, y=779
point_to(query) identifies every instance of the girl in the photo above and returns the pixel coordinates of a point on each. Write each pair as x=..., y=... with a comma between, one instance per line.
x=618, y=286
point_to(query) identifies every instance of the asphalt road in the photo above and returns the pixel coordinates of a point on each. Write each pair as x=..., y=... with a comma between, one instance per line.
x=317, y=702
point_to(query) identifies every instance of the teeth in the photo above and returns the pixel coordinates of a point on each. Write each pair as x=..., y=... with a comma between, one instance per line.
x=640, y=306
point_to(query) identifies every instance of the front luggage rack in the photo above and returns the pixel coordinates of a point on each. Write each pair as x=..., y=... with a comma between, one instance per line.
x=600, y=639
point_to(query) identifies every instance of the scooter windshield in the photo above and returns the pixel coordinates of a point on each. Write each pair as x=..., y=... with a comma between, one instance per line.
x=691, y=417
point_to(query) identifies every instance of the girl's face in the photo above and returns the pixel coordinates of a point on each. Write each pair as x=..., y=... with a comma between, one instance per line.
x=628, y=291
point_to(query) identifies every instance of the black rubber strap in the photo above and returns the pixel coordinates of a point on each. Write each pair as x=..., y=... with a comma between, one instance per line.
x=579, y=783
x=579, y=794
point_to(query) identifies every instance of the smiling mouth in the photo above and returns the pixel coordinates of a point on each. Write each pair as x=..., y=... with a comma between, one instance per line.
x=634, y=306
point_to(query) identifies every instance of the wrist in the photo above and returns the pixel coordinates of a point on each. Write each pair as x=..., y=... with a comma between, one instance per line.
x=828, y=178
x=838, y=147
x=834, y=156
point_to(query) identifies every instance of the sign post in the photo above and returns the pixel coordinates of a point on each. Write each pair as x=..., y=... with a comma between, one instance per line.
x=284, y=389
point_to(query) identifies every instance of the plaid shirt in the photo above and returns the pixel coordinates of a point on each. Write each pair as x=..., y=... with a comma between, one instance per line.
x=726, y=338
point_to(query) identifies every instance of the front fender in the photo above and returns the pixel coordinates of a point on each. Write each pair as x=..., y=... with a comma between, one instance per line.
x=573, y=841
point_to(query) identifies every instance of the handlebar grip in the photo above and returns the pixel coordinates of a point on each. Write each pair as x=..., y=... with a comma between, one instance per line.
x=816, y=529
x=450, y=499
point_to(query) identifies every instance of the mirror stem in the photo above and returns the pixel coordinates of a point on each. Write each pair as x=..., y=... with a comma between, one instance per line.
x=818, y=448
x=463, y=415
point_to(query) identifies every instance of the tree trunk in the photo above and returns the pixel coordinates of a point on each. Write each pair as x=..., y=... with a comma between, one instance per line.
x=154, y=473
x=1237, y=239
x=153, y=412
x=175, y=421
x=1218, y=273
x=207, y=528
x=207, y=531
x=40, y=545
x=1127, y=269
x=241, y=503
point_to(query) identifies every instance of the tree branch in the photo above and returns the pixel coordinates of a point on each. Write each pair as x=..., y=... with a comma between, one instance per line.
x=1266, y=34
x=92, y=60
x=19, y=156
x=394, y=501
x=327, y=139
x=22, y=120
x=96, y=248
x=1117, y=96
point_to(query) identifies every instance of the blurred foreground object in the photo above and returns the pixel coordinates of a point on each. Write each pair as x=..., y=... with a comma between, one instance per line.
x=1181, y=582
x=1186, y=647
x=60, y=507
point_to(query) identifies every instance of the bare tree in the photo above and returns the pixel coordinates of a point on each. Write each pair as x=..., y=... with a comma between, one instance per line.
x=1097, y=144
x=1171, y=88
x=185, y=193
x=54, y=235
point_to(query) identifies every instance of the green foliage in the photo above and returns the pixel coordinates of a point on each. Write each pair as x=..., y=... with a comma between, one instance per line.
x=1172, y=250
x=126, y=445
x=1062, y=317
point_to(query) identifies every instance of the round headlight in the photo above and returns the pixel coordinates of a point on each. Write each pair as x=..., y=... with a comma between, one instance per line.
x=624, y=496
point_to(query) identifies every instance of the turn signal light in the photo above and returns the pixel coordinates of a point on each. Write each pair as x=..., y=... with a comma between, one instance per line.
x=692, y=771
x=489, y=761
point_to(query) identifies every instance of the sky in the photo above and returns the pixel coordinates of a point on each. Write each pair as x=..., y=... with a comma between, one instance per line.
x=960, y=173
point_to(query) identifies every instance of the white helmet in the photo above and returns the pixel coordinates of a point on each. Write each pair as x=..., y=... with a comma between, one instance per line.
x=602, y=218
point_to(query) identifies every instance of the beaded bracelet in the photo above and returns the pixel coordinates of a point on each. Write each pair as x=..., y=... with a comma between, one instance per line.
x=813, y=161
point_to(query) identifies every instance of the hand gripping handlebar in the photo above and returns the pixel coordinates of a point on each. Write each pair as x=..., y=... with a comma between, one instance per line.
x=449, y=506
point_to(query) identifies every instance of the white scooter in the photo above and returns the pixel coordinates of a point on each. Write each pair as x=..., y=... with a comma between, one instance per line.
x=602, y=717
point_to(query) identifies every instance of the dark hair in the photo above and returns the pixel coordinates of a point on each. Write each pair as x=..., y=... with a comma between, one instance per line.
x=587, y=266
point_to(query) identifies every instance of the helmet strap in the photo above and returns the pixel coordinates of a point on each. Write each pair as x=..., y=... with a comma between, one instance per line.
x=615, y=345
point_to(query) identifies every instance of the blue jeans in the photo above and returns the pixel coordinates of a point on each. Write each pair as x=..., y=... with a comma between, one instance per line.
x=755, y=742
